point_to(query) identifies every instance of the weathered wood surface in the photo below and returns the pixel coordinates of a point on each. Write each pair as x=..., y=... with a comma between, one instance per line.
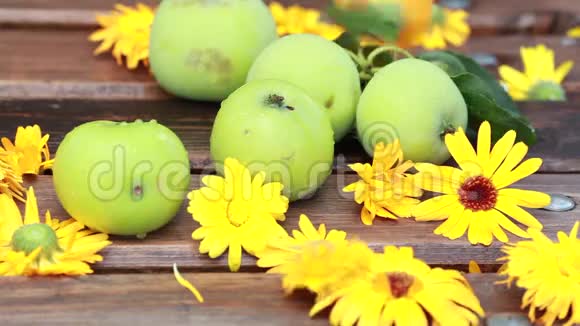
x=231, y=299
x=49, y=76
x=556, y=123
x=330, y=206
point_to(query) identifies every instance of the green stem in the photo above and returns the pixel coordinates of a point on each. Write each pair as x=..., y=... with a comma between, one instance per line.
x=387, y=48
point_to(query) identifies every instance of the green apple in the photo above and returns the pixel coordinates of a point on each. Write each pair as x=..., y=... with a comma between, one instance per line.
x=415, y=101
x=320, y=67
x=121, y=178
x=274, y=126
x=202, y=49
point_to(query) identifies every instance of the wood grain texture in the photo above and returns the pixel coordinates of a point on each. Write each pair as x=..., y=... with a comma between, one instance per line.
x=231, y=299
x=59, y=63
x=558, y=142
x=330, y=206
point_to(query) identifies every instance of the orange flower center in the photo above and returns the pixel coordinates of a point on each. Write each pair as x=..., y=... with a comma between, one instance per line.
x=478, y=194
x=400, y=283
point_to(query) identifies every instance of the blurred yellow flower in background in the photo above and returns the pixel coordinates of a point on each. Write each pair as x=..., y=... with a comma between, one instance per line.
x=540, y=80
x=550, y=274
x=447, y=26
x=29, y=154
x=574, y=32
x=29, y=247
x=237, y=211
x=299, y=20
x=127, y=31
x=385, y=188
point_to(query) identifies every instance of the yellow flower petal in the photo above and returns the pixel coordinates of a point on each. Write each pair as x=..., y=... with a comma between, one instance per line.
x=509, y=207
x=526, y=198
x=186, y=284
x=563, y=71
x=525, y=169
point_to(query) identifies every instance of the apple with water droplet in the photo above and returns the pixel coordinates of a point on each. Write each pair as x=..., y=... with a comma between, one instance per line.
x=202, y=49
x=274, y=126
x=321, y=68
x=121, y=178
x=415, y=101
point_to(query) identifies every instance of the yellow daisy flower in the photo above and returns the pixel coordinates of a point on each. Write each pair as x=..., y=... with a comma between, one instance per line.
x=540, y=80
x=403, y=290
x=237, y=212
x=447, y=26
x=29, y=154
x=475, y=198
x=385, y=188
x=324, y=266
x=29, y=247
x=10, y=181
x=127, y=31
x=281, y=250
x=574, y=32
x=550, y=273
x=299, y=20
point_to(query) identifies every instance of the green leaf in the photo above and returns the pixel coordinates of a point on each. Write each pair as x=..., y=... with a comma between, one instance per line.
x=445, y=61
x=482, y=108
x=383, y=21
x=348, y=41
x=500, y=96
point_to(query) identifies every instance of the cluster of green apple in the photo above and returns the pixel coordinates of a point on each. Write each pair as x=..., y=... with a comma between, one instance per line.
x=287, y=101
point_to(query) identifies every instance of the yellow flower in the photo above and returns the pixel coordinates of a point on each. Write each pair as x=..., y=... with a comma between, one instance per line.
x=29, y=154
x=447, y=26
x=550, y=274
x=402, y=290
x=10, y=181
x=29, y=247
x=385, y=189
x=237, y=211
x=299, y=20
x=127, y=31
x=281, y=250
x=475, y=198
x=574, y=32
x=324, y=266
x=540, y=80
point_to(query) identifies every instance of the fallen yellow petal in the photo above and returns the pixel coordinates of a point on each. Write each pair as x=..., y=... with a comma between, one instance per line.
x=474, y=267
x=186, y=284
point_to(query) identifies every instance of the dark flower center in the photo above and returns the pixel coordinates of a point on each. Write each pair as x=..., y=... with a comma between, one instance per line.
x=400, y=283
x=478, y=194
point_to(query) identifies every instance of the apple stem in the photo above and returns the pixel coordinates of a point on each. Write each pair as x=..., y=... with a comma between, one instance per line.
x=277, y=101
x=448, y=130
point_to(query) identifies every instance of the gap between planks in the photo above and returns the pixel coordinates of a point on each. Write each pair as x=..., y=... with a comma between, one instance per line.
x=173, y=243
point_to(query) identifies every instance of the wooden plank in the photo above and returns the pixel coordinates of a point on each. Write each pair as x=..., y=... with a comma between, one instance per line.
x=57, y=63
x=487, y=17
x=330, y=206
x=558, y=142
x=231, y=299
